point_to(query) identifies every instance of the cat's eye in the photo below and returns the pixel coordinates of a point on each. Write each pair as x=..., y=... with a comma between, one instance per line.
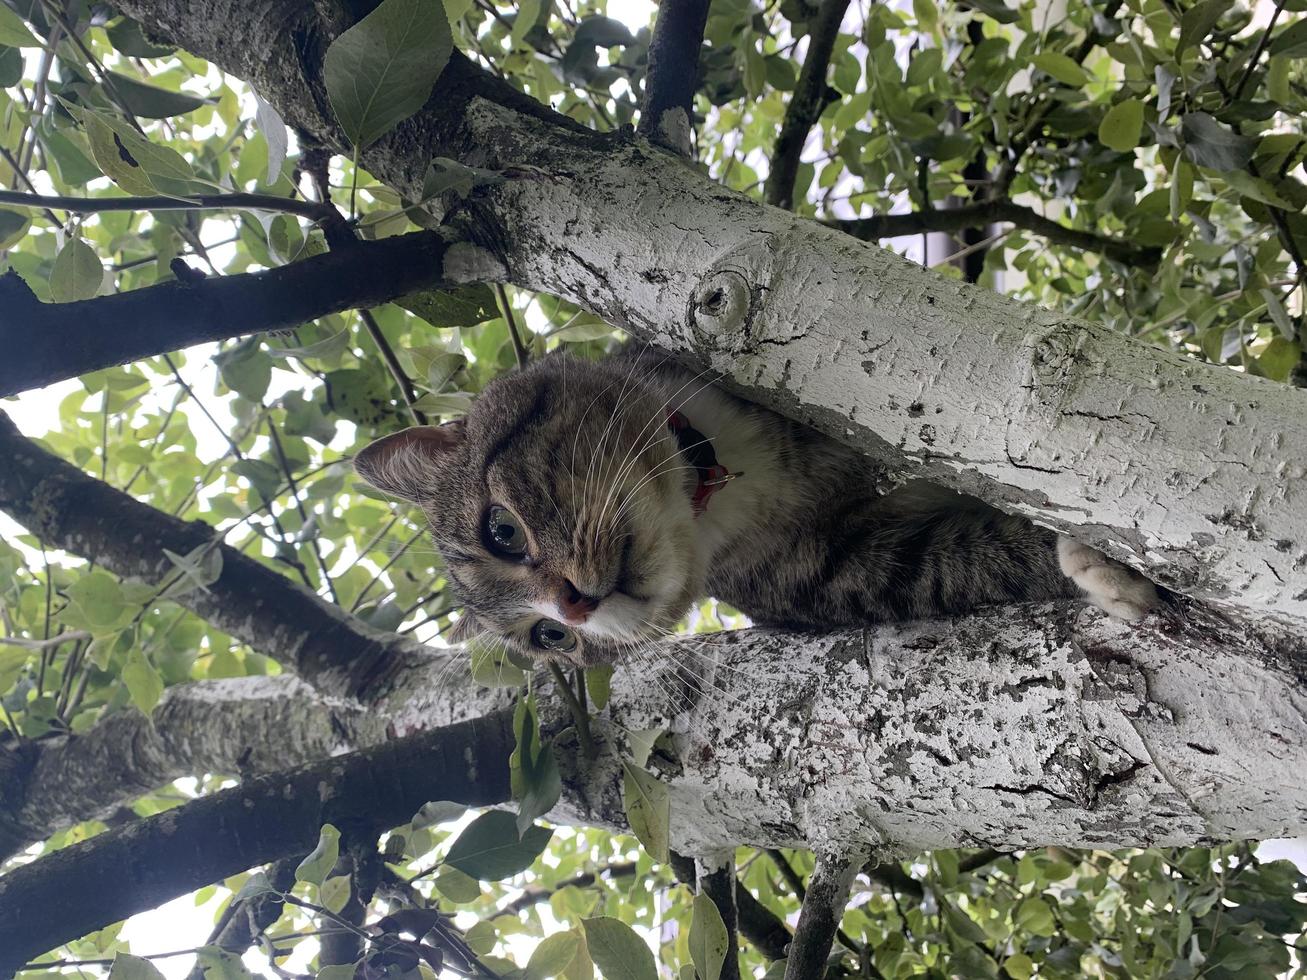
x=504, y=533
x=549, y=635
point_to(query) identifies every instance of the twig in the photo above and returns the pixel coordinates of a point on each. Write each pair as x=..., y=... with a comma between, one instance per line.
x=1257, y=55
x=519, y=349
x=406, y=389
x=239, y=201
x=282, y=461
x=992, y=212
x=579, y=714
x=805, y=104
x=718, y=882
x=535, y=896
x=54, y=641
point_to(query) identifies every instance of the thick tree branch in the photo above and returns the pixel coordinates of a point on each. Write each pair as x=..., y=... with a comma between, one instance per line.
x=240, y=726
x=823, y=907
x=989, y=212
x=806, y=103
x=68, y=509
x=52, y=341
x=89, y=885
x=667, y=114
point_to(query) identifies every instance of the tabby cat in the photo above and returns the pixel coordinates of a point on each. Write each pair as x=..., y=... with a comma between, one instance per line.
x=582, y=507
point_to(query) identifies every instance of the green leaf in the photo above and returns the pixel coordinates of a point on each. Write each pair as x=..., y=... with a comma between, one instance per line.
x=446, y=176
x=13, y=227
x=128, y=37
x=1019, y=966
x=490, y=849
x=997, y=10
x=648, y=809
x=221, y=964
x=1290, y=42
x=200, y=568
x=329, y=347
x=619, y=953
x=1035, y=916
x=143, y=682
x=134, y=163
x=129, y=967
x=1279, y=314
x=456, y=886
x=528, y=11
x=1197, y=22
x=1062, y=68
x=602, y=32
x=77, y=273
x=245, y=369
x=1278, y=359
x=11, y=66
x=463, y=307
x=599, y=685
x=360, y=396
x=1210, y=143
x=334, y=893
x=13, y=32
x=315, y=868
x=382, y=70
x=151, y=102
x=1122, y=126
x=1258, y=189
x=96, y=603
x=553, y=955
x=491, y=665
x=708, y=940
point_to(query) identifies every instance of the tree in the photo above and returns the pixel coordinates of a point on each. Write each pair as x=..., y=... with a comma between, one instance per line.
x=463, y=192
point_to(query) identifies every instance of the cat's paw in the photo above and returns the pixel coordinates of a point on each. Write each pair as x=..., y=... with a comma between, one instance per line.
x=1117, y=590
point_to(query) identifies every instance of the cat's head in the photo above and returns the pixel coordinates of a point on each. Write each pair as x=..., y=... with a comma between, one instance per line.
x=561, y=507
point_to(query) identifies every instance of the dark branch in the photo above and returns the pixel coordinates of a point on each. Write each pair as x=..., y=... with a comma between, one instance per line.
x=242, y=922
x=68, y=509
x=757, y=923
x=989, y=212
x=235, y=726
x=823, y=906
x=806, y=104
x=720, y=885
x=534, y=896
x=47, y=342
x=87, y=886
x=673, y=76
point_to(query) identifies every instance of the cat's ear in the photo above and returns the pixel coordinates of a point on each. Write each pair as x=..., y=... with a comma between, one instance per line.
x=405, y=464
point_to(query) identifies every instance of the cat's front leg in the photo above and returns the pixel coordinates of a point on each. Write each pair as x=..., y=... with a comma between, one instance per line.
x=1114, y=588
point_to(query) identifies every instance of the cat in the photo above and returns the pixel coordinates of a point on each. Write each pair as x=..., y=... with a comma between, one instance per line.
x=582, y=507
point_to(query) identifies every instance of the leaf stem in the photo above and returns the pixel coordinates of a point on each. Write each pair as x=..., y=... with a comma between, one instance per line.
x=579, y=714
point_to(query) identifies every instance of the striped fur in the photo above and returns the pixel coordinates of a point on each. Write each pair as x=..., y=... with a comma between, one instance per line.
x=581, y=454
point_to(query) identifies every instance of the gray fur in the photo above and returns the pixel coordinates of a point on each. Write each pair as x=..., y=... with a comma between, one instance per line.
x=580, y=452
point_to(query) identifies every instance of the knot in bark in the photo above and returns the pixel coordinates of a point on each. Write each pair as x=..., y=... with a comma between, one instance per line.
x=722, y=310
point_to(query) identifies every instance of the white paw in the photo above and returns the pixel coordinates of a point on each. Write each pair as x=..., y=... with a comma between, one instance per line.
x=1117, y=590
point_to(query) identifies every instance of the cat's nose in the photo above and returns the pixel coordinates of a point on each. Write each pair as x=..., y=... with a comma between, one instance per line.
x=574, y=604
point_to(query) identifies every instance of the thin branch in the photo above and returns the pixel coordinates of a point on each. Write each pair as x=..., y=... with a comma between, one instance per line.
x=1257, y=55
x=242, y=922
x=579, y=714
x=396, y=369
x=54, y=641
x=280, y=452
x=48, y=342
x=757, y=923
x=519, y=349
x=819, y=920
x=672, y=78
x=324, y=214
x=989, y=212
x=806, y=104
x=86, y=886
x=534, y=896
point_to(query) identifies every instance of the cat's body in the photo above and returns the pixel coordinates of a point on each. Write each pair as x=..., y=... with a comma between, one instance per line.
x=579, y=513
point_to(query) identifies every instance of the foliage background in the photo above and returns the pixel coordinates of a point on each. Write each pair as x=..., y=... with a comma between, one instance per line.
x=1173, y=130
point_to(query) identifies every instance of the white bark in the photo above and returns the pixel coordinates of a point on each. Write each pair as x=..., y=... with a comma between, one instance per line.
x=1012, y=727
x=1189, y=472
